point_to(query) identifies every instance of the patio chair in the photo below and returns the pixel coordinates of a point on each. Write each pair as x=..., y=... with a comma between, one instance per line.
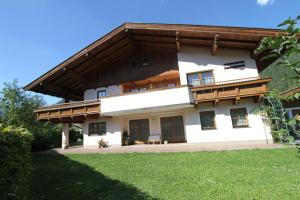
x=154, y=138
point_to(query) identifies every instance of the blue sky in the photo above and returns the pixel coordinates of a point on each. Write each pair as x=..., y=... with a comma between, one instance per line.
x=36, y=35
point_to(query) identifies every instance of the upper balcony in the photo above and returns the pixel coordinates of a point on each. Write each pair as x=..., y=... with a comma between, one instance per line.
x=154, y=100
x=230, y=90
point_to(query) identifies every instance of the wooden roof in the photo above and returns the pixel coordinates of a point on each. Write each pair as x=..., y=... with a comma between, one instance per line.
x=68, y=79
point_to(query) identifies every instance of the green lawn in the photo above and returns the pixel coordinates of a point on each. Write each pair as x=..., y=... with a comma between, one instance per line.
x=245, y=174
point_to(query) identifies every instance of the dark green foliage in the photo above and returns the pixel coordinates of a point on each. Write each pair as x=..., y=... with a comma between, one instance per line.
x=286, y=70
x=16, y=108
x=280, y=76
x=15, y=163
x=47, y=137
x=125, y=138
x=76, y=136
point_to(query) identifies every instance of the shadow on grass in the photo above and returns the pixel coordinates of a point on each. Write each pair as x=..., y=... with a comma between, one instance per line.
x=57, y=177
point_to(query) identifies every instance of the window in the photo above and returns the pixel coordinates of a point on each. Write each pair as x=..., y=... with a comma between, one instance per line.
x=139, y=129
x=239, y=117
x=207, y=119
x=200, y=78
x=101, y=93
x=98, y=128
x=234, y=64
x=135, y=90
x=166, y=85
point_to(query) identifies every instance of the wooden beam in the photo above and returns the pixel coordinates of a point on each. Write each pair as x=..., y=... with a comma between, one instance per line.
x=75, y=75
x=94, y=60
x=215, y=103
x=61, y=92
x=177, y=41
x=130, y=37
x=258, y=98
x=236, y=100
x=214, y=46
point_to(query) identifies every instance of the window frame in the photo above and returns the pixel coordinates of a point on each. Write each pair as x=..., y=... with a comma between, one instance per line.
x=214, y=120
x=101, y=132
x=199, y=74
x=246, y=118
x=98, y=91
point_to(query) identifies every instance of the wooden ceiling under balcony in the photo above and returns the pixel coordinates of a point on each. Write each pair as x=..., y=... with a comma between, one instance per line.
x=69, y=79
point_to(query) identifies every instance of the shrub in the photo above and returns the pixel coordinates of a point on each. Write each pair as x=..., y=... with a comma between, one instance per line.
x=102, y=144
x=15, y=162
x=46, y=138
x=76, y=136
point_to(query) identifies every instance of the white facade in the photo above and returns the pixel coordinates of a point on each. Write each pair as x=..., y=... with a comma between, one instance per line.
x=192, y=59
x=112, y=136
x=257, y=131
x=153, y=105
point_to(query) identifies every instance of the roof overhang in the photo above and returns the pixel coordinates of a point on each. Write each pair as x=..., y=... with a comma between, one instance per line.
x=69, y=78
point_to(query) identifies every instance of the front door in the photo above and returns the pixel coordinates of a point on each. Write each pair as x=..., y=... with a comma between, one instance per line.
x=139, y=130
x=172, y=129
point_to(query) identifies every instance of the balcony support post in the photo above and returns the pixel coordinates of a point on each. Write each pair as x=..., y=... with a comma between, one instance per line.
x=65, y=136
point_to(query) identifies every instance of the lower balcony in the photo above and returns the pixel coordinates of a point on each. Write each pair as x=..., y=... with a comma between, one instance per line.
x=74, y=112
x=231, y=90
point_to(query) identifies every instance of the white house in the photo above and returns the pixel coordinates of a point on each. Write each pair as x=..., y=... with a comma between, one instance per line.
x=184, y=83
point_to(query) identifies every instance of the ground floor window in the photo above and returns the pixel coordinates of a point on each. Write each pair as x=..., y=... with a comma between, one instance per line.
x=239, y=117
x=139, y=129
x=207, y=120
x=172, y=129
x=98, y=128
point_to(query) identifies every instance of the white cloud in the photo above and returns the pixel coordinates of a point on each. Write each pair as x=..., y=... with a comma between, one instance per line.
x=264, y=2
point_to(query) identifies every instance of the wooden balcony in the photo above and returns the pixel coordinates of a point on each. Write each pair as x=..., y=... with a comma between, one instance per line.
x=231, y=90
x=74, y=112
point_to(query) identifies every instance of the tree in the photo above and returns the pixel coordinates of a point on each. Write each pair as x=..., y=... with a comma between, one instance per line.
x=16, y=109
x=287, y=48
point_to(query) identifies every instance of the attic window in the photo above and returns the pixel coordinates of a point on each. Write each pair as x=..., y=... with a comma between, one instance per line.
x=234, y=64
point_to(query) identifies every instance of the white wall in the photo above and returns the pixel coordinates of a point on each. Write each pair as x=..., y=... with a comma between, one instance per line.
x=141, y=102
x=111, y=90
x=257, y=131
x=113, y=135
x=194, y=59
x=224, y=132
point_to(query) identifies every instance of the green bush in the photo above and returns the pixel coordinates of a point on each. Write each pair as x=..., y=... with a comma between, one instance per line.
x=15, y=162
x=76, y=136
x=46, y=139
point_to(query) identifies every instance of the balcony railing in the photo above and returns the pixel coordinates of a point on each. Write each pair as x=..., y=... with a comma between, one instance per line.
x=232, y=89
x=73, y=112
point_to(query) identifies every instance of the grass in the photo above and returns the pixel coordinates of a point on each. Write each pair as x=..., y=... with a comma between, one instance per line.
x=244, y=174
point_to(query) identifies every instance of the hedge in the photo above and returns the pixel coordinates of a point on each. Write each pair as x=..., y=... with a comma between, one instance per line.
x=15, y=163
x=51, y=138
